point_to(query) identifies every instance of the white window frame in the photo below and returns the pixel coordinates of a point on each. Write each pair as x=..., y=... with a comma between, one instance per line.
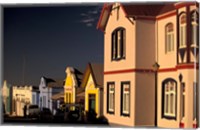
x=183, y=100
x=169, y=38
x=194, y=29
x=125, y=98
x=118, y=41
x=182, y=32
x=111, y=97
x=170, y=99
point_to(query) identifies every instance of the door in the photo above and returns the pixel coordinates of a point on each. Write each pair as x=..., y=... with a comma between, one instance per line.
x=92, y=103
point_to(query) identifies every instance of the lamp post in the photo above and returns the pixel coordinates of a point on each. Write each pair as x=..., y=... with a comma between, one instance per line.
x=156, y=68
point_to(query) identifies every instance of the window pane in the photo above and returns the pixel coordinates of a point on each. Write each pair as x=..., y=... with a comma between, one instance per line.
x=114, y=46
x=166, y=106
x=118, y=44
x=171, y=103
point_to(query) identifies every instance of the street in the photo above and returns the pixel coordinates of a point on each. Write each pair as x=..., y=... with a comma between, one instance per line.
x=31, y=121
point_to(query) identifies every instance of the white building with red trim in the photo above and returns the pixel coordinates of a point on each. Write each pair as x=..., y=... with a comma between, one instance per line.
x=138, y=37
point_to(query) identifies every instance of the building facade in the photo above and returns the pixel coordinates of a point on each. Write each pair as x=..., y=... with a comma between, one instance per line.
x=48, y=87
x=93, y=84
x=72, y=84
x=138, y=37
x=24, y=95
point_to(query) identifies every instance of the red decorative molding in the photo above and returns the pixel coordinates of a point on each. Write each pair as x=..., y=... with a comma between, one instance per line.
x=128, y=71
x=167, y=70
x=166, y=16
x=178, y=67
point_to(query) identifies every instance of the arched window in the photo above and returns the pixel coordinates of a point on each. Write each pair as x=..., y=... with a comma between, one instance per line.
x=118, y=44
x=169, y=45
x=169, y=99
x=194, y=29
x=182, y=31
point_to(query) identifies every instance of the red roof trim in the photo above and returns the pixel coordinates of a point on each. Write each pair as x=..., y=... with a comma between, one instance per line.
x=100, y=19
x=180, y=5
x=166, y=16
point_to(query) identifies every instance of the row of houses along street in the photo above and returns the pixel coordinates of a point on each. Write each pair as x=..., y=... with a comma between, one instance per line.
x=149, y=76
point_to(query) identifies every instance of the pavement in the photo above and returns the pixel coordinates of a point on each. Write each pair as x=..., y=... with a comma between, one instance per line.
x=16, y=120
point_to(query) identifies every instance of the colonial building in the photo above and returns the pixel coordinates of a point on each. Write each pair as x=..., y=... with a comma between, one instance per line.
x=93, y=84
x=24, y=95
x=7, y=97
x=72, y=85
x=138, y=37
x=49, y=87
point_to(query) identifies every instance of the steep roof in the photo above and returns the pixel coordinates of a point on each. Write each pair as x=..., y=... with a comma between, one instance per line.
x=96, y=70
x=149, y=9
x=134, y=10
x=97, y=73
x=48, y=80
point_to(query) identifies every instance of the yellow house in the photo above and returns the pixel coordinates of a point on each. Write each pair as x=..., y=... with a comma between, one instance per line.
x=72, y=84
x=93, y=84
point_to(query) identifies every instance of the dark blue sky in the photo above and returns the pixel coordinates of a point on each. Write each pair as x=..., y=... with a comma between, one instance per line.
x=49, y=38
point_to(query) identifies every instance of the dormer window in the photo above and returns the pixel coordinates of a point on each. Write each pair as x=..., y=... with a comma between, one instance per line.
x=194, y=29
x=118, y=44
x=182, y=31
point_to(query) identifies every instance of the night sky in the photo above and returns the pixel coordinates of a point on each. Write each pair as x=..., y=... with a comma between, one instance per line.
x=43, y=40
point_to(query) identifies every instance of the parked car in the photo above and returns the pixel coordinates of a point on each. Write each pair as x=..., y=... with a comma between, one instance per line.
x=74, y=113
x=32, y=111
x=45, y=115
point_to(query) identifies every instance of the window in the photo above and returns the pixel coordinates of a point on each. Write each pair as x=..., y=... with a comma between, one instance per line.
x=183, y=99
x=169, y=45
x=125, y=98
x=194, y=29
x=182, y=31
x=111, y=97
x=118, y=44
x=169, y=102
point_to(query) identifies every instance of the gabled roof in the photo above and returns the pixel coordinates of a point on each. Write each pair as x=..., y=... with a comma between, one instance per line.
x=134, y=10
x=96, y=70
x=48, y=80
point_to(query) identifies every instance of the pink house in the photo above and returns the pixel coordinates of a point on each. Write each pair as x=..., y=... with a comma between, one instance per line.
x=151, y=64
